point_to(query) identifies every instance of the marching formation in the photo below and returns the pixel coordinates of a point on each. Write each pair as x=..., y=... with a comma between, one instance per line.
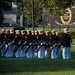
x=35, y=44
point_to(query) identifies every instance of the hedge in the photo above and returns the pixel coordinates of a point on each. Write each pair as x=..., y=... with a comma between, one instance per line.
x=71, y=30
x=72, y=33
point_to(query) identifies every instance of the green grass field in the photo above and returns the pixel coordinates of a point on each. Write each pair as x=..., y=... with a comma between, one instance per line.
x=23, y=66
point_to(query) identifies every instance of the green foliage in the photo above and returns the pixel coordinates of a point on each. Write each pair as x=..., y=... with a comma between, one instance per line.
x=72, y=31
x=73, y=41
x=57, y=7
x=53, y=7
x=72, y=34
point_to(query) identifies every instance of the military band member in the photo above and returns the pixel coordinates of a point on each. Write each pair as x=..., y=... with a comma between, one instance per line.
x=47, y=44
x=65, y=42
x=41, y=45
x=54, y=40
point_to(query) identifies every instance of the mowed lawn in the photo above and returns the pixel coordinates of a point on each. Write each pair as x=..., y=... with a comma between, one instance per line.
x=23, y=66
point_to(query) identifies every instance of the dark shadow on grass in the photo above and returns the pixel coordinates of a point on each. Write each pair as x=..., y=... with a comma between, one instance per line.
x=13, y=65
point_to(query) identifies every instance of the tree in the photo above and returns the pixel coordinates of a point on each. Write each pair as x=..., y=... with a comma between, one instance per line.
x=57, y=7
x=53, y=7
x=6, y=4
x=1, y=14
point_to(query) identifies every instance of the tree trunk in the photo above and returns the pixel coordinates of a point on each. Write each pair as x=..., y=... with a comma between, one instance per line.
x=33, y=14
x=21, y=20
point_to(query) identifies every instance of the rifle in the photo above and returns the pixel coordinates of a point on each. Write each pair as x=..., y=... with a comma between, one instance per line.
x=2, y=45
x=34, y=44
x=27, y=49
x=39, y=47
x=16, y=47
x=6, y=50
x=30, y=44
x=49, y=52
x=8, y=47
x=23, y=45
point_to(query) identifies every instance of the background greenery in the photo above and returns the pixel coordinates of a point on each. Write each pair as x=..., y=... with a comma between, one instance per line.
x=53, y=7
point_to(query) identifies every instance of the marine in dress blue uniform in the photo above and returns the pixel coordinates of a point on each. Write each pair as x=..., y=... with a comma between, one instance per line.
x=58, y=45
x=65, y=42
x=54, y=40
x=23, y=43
x=29, y=47
x=33, y=47
x=10, y=39
x=17, y=44
x=36, y=43
x=3, y=42
x=47, y=44
x=7, y=44
x=41, y=38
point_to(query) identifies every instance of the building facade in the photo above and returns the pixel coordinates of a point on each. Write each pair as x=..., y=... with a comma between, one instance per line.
x=11, y=17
